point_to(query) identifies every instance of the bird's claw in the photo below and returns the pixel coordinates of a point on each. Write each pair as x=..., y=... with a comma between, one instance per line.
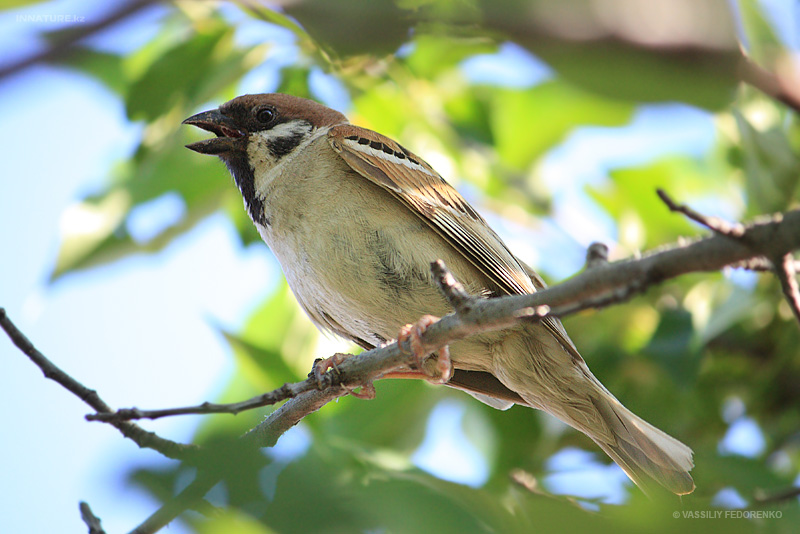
x=321, y=366
x=413, y=334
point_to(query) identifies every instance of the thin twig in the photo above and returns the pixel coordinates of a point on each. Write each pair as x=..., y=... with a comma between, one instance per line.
x=783, y=267
x=286, y=391
x=64, y=45
x=453, y=291
x=785, y=271
x=603, y=285
x=593, y=287
x=714, y=224
x=91, y=520
x=776, y=86
x=140, y=436
x=186, y=499
x=265, y=434
x=762, y=498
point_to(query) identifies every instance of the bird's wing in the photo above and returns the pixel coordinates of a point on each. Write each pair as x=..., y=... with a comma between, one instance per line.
x=418, y=186
x=412, y=181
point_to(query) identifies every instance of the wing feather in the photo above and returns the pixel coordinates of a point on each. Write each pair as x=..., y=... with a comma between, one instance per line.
x=414, y=183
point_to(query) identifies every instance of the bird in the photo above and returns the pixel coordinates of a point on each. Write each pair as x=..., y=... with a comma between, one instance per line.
x=355, y=220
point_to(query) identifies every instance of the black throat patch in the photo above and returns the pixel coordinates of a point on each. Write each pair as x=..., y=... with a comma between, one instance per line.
x=245, y=180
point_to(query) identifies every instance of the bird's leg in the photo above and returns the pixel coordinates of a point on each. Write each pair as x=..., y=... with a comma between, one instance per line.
x=413, y=333
x=321, y=366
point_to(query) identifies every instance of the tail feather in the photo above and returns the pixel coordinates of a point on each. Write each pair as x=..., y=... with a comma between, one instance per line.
x=644, y=452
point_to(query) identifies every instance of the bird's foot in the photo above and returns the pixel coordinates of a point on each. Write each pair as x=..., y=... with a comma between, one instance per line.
x=321, y=366
x=413, y=334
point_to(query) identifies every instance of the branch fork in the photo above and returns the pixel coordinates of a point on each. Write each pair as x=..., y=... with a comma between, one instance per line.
x=602, y=283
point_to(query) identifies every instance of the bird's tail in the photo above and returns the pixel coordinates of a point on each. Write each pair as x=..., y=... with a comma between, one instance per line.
x=644, y=452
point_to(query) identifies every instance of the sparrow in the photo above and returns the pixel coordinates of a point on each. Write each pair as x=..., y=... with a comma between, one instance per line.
x=355, y=220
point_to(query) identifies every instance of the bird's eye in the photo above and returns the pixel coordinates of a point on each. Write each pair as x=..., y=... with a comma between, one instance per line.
x=265, y=115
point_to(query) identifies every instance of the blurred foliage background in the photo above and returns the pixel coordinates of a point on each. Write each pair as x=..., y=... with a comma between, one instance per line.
x=495, y=95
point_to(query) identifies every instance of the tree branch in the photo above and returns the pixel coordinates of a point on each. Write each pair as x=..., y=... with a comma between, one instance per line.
x=714, y=224
x=784, y=267
x=600, y=285
x=762, y=498
x=91, y=520
x=137, y=434
x=265, y=434
x=64, y=45
x=780, y=86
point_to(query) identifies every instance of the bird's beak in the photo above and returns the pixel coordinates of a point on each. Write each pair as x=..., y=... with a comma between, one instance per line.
x=229, y=135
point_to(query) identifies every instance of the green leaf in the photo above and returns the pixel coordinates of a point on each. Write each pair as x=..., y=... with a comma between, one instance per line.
x=762, y=41
x=377, y=27
x=470, y=115
x=231, y=520
x=703, y=78
x=95, y=231
x=771, y=167
x=274, y=371
x=434, y=54
x=671, y=347
x=643, y=218
x=103, y=66
x=527, y=123
x=178, y=75
x=12, y=4
x=294, y=81
x=403, y=405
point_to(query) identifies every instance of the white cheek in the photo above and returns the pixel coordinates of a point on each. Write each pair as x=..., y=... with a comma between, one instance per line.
x=266, y=166
x=258, y=151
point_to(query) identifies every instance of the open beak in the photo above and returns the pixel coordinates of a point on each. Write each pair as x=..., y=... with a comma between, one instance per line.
x=229, y=135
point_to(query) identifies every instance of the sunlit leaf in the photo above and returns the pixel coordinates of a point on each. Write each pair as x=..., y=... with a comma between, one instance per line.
x=526, y=123
x=105, y=67
x=434, y=54
x=177, y=75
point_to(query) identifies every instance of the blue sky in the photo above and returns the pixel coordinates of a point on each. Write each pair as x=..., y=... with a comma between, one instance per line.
x=139, y=330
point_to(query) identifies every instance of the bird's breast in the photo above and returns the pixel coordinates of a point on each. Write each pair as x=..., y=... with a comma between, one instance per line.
x=354, y=256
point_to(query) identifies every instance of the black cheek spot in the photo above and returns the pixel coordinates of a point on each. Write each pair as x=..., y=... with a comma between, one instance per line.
x=282, y=146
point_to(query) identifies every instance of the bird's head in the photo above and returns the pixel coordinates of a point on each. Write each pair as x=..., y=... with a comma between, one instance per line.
x=254, y=133
x=276, y=123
